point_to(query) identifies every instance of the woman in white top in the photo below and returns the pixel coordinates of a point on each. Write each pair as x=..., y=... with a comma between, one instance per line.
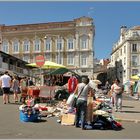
x=117, y=90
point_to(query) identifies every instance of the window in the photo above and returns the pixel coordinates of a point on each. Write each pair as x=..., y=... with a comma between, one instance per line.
x=48, y=56
x=84, y=42
x=26, y=45
x=37, y=45
x=48, y=44
x=26, y=58
x=124, y=49
x=120, y=52
x=134, y=71
x=83, y=60
x=124, y=73
x=59, y=58
x=15, y=46
x=70, y=59
x=5, y=46
x=70, y=45
x=124, y=61
x=134, y=60
x=134, y=47
x=59, y=44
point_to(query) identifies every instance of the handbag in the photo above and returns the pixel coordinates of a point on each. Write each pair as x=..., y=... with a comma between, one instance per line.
x=75, y=99
x=70, y=99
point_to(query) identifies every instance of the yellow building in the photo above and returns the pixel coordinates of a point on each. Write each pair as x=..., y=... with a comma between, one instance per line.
x=69, y=42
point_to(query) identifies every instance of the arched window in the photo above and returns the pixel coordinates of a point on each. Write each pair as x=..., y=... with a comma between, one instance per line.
x=15, y=46
x=5, y=46
x=36, y=45
x=48, y=44
x=70, y=44
x=26, y=45
x=59, y=44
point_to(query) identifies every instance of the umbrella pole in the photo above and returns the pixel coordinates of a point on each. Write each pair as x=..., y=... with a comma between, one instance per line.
x=40, y=76
x=50, y=86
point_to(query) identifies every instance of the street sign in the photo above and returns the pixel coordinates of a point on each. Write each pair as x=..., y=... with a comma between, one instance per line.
x=40, y=60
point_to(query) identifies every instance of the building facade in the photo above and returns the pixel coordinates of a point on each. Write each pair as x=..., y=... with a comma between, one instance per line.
x=69, y=42
x=125, y=56
x=14, y=65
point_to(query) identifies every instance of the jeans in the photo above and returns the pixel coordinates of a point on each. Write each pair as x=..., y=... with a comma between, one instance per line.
x=81, y=108
x=118, y=101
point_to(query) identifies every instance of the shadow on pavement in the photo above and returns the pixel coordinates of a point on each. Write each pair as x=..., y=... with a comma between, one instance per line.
x=130, y=111
x=40, y=121
x=128, y=106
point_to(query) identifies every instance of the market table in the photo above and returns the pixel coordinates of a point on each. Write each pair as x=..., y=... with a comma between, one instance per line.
x=33, y=92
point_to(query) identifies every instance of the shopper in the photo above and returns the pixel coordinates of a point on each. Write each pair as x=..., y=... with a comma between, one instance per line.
x=23, y=88
x=117, y=89
x=15, y=87
x=5, y=84
x=81, y=105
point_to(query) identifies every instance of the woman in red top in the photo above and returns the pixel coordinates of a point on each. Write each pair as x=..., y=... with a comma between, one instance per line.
x=72, y=84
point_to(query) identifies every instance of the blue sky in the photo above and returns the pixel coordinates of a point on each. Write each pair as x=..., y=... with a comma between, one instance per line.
x=108, y=17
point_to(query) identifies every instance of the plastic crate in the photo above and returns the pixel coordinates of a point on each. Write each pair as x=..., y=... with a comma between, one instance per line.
x=28, y=118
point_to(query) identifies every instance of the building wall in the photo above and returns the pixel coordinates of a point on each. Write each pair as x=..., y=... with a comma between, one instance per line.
x=78, y=30
x=125, y=56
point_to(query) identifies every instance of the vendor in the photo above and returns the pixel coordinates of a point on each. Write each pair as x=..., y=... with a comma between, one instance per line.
x=72, y=83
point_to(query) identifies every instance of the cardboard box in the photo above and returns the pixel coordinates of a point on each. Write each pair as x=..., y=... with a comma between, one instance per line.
x=68, y=119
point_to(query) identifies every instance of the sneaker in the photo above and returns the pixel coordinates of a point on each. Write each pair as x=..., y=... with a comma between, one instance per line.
x=116, y=110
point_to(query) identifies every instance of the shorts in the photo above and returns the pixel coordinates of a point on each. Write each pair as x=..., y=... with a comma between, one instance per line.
x=6, y=90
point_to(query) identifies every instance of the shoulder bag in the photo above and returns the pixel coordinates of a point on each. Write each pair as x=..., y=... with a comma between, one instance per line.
x=75, y=99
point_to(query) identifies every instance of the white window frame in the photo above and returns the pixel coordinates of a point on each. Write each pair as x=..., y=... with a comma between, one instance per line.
x=37, y=45
x=135, y=71
x=26, y=45
x=59, y=44
x=26, y=58
x=48, y=44
x=15, y=46
x=48, y=56
x=5, y=46
x=84, y=60
x=59, y=58
x=70, y=44
x=70, y=58
x=134, y=47
x=84, y=42
x=134, y=60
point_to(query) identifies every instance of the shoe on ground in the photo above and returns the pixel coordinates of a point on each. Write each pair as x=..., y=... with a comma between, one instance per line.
x=116, y=110
x=77, y=126
x=84, y=128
